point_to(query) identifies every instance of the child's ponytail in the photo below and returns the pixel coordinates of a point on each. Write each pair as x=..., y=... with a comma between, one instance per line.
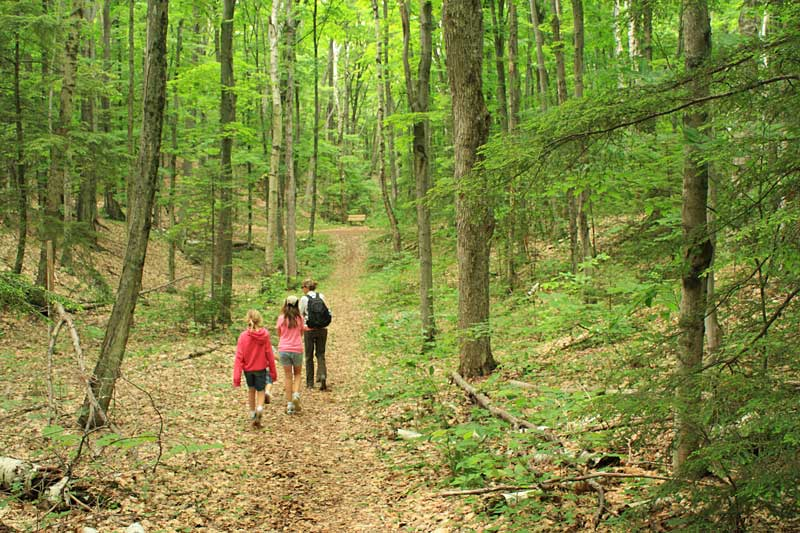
x=254, y=320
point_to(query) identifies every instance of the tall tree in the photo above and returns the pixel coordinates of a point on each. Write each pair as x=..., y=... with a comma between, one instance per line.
x=19, y=167
x=380, y=138
x=277, y=138
x=499, y=60
x=227, y=115
x=315, y=154
x=111, y=205
x=52, y=221
x=87, y=194
x=463, y=35
x=173, y=157
x=131, y=86
x=697, y=248
x=112, y=350
x=418, y=98
x=541, y=69
x=290, y=193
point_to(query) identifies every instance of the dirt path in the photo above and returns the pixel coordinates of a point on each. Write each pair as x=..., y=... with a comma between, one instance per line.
x=327, y=469
x=319, y=470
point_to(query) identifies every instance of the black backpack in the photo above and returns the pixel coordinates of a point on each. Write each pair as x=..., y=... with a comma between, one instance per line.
x=318, y=314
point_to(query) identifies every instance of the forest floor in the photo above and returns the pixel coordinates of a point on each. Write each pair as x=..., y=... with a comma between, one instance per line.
x=332, y=467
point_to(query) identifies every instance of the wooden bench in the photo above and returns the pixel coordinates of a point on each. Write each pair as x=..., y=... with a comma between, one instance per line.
x=351, y=219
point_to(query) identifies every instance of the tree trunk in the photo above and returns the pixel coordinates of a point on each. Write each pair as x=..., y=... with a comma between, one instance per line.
x=173, y=158
x=87, y=195
x=499, y=55
x=290, y=194
x=227, y=115
x=22, y=188
x=277, y=136
x=585, y=195
x=111, y=206
x=312, y=175
x=379, y=141
x=131, y=84
x=116, y=337
x=697, y=248
x=418, y=99
x=558, y=49
x=513, y=122
x=463, y=35
x=540, y=65
x=393, y=170
x=52, y=223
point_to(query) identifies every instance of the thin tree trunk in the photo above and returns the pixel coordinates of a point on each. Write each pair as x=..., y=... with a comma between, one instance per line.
x=586, y=194
x=111, y=206
x=379, y=141
x=277, y=136
x=558, y=49
x=513, y=121
x=463, y=35
x=112, y=350
x=131, y=85
x=315, y=154
x=499, y=55
x=698, y=251
x=393, y=170
x=542, y=70
x=418, y=99
x=52, y=222
x=173, y=159
x=87, y=195
x=22, y=188
x=290, y=194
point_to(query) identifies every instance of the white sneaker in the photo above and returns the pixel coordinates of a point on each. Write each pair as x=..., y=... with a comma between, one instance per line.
x=296, y=401
x=290, y=408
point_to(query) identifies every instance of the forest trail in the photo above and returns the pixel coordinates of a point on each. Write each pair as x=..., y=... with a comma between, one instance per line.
x=319, y=470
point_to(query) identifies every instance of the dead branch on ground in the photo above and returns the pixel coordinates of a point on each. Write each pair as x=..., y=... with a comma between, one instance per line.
x=202, y=352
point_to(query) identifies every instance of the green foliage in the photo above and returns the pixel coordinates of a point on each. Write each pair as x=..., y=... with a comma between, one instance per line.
x=199, y=308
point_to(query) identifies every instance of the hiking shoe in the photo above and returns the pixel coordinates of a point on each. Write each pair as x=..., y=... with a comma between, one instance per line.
x=290, y=409
x=257, y=419
x=296, y=401
x=323, y=385
x=267, y=397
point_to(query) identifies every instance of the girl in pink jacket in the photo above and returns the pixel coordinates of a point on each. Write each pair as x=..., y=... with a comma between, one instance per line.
x=290, y=328
x=253, y=357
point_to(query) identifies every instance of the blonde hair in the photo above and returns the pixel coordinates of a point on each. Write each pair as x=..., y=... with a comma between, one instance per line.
x=254, y=319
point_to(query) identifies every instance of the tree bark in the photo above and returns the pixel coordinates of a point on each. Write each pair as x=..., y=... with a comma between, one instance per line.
x=22, y=188
x=513, y=122
x=227, y=114
x=499, y=63
x=87, y=195
x=116, y=337
x=111, y=206
x=697, y=248
x=173, y=158
x=290, y=194
x=131, y=84
x=540, y=65
x=418, y=99
x=380, y=139
x=315, y=154
x=463, y=34
x=558, y=50
x=52, y=222
x=277, y=137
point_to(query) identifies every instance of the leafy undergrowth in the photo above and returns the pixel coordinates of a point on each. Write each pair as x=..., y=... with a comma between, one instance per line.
x=589, y=358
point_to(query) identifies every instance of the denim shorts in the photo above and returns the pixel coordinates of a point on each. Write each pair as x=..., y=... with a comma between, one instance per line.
x=257, y=379
x=291, y=358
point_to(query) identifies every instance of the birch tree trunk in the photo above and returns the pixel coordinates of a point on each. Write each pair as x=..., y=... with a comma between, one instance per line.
x=380, y=140
x=463, y=35
x=418, y=99
x=277, y=136
x=697, y=248
x=112, y=350
x=227, y=115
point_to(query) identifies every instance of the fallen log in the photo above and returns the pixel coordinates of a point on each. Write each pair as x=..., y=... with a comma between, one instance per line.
x=202, y=352
x=484, y=402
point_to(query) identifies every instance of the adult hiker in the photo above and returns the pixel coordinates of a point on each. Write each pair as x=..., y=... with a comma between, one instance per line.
x=317, y=316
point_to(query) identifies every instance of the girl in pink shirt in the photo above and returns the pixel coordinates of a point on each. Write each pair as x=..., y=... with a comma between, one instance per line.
x=290, y=328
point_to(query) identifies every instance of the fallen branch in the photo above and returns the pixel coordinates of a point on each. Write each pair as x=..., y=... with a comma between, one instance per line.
x=601, y=502
x=164, y=286
x=240, y=245
x=202, y=352
x=550, y=483
x=484, y=402
x=51, y=347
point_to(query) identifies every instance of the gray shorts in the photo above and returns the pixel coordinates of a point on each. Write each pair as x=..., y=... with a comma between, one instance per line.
x=291, y=358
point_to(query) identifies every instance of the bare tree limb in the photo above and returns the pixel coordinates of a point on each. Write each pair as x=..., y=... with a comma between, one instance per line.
x=202, y=352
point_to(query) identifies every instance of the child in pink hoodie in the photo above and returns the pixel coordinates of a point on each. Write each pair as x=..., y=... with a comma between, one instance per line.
x=253, y=356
